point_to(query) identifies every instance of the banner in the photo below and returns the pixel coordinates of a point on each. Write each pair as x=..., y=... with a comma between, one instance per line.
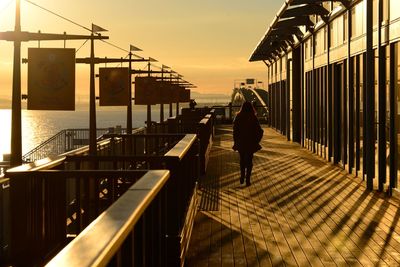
x=175, y=93
x=114, y=86
x=51, y=79
x=166, y=95
x=184, y=95
x=147, y=91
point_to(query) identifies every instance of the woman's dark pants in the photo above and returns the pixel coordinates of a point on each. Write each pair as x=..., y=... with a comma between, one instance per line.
x=246, y=165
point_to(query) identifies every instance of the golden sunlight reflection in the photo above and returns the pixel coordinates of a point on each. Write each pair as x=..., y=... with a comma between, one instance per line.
x=4, y=4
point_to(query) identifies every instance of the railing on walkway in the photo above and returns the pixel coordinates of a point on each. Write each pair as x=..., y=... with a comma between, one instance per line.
x=132, y=227
x=61, y=197
x=165, y=235
x=64, y=141
x=55, y=198
x=226, y=114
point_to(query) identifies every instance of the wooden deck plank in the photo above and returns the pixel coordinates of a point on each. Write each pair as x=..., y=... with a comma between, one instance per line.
x=299, y=211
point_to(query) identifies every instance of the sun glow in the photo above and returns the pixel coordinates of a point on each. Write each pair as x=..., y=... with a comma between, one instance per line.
x=4, y=4
x=6, y=12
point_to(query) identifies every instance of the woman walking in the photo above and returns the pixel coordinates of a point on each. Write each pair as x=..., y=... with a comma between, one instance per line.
x=247, y=134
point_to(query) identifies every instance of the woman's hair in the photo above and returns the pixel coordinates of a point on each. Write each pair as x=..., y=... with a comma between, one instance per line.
x=247, y=107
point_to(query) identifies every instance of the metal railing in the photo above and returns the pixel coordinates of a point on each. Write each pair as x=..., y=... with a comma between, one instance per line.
x=57, y=205
x=59, y=198
x=178, y=206
x=124, y=228
x=226, y=114
x=64, y=141
x=55, y=198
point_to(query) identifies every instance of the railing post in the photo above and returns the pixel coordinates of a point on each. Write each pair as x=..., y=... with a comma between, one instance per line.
x=174, y=220
x=172, y=125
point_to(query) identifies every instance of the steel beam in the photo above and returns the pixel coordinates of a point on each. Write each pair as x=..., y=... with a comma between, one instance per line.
x=297, y=21
x=305, y=10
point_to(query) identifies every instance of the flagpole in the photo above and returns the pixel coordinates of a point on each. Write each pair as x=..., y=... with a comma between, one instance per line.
x=129, y=108
x=92, y=103
x=177, y=103
x=149, y=106
x=170, y=104
x=16, y=131
x=162, y=105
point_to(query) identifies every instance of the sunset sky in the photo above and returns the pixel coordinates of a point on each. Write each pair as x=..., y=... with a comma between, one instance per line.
x=208, y=41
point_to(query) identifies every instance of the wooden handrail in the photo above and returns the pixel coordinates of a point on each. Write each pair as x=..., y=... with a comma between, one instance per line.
x=98, y=243
x=181, y=148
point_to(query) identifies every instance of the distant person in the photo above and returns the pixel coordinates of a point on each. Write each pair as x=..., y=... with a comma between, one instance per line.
x=247, y=134
x=192, y=104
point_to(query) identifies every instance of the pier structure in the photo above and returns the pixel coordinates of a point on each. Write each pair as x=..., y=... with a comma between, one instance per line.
x=170, y=195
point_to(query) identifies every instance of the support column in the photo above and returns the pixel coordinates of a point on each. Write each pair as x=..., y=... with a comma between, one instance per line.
x=92, y=104
x=350, y=88
x=148, y=120
x=129, y=107
x=288, y=94
x=382, y=103
x=329, y=97
x=394, y=58
x=16, y=128
x=302, y=107
x=370, y=99
x=297, y=95
x=269, y=95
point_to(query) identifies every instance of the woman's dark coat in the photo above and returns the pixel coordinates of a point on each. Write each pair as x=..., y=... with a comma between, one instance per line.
x=247, y=133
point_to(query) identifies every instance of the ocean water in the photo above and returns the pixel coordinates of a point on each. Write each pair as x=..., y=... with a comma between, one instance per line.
x=38, y=126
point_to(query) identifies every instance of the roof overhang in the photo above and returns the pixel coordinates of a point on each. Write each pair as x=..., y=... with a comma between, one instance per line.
x=292, y=21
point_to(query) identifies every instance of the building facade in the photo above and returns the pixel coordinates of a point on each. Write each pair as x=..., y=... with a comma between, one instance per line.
x=333, y=80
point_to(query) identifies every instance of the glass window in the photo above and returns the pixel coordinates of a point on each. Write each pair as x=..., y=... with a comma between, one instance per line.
x=374, y=13
x=360, y=19
x=394, y=8
x=345, y=29
x=333, y=43
x=340, y=33
x=311, y=48
x=306, y=50
x=353, y=23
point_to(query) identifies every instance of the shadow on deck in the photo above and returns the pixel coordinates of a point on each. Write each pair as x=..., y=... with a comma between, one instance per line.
x=299, y=210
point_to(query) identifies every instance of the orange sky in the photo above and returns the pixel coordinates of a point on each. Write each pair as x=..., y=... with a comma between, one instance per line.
x=208, y=41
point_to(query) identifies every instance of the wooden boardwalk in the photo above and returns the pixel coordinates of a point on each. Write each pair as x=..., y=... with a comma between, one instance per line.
x=299, y=211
